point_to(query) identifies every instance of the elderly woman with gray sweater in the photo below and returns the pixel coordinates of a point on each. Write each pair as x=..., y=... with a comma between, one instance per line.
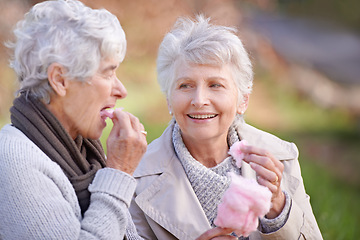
x=55, y=182
x=207, y=77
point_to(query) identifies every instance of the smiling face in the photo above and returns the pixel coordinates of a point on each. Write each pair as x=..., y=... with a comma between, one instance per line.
x=78, y=105
x=204, y=101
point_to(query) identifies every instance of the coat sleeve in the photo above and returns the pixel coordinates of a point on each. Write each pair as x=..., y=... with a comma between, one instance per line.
x=301, y=222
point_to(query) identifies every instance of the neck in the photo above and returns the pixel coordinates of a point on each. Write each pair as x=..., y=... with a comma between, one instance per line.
x=205, y=152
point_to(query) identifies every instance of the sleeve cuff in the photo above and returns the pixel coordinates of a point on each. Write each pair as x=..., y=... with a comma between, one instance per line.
x=115, y=183
x=272, y=225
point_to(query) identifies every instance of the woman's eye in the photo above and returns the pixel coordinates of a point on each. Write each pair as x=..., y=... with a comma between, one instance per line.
x=184, y=85
x=215, y=85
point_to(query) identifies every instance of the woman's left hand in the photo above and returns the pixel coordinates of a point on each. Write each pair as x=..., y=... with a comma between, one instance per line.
x=269, y=174
x=217, y=233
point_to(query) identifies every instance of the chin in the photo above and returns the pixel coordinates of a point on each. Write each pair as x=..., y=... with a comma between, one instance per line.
x=94, y=135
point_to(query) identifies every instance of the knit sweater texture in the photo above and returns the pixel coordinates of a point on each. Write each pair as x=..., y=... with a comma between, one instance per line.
x=39, y=202
x=209, y=184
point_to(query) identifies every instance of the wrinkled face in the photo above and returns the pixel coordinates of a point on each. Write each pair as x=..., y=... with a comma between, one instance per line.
x=85, y=101
x=204, y=101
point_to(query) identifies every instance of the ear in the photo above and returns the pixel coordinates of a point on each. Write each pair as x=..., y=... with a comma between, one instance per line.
x=56, y=78
x=243, y=104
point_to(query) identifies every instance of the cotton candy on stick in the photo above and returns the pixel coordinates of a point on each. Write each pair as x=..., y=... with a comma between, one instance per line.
x=243, y=202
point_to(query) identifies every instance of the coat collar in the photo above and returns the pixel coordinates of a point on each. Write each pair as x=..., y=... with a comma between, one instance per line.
x=161, y=150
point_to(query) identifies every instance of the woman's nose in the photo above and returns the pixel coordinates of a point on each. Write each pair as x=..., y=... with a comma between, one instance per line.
x=119, y=90
x=200, y=98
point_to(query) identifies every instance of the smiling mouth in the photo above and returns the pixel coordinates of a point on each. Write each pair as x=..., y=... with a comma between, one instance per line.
x=206, y=116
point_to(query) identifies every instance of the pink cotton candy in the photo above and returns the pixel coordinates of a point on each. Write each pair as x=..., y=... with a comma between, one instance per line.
x=236, y=153
x=242, y=204
x=108, y=113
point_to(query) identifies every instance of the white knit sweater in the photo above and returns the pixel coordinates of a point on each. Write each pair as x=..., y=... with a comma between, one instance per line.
x=37, y=201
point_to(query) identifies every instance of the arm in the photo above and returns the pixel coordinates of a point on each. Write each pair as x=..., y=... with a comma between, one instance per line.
x=276, y=176
x=301, y=219
x=38, y=201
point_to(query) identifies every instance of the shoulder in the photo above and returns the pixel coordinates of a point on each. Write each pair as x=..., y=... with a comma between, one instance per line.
x=15, y=144
x=283, y=150
x=22, y=159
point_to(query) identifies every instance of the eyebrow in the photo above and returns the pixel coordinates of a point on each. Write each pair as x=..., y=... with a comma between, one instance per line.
x=109, y=68
x=207, y=79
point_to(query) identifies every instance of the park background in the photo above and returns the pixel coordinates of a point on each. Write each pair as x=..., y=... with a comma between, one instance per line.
x=306, y=57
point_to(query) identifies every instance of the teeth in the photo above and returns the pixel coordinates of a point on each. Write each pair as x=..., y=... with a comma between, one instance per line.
x=202, y=116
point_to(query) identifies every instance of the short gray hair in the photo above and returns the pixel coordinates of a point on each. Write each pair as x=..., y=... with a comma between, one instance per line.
x=199, y=42
x=66, y=32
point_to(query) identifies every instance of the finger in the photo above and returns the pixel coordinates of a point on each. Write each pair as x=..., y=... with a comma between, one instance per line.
x=273, y=189
x=249, y=149
x=216, y=232
x=226, y=237
x=252, y=150
x=264, y=161
x=121, y=123
x=137, y=126
x=135, y=122
x=127, y=122
x=270, y=175
x=263, y=158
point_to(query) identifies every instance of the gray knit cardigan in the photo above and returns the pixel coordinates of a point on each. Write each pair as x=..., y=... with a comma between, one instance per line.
x=37, y=201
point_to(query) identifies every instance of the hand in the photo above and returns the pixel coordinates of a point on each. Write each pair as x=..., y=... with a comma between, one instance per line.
x=269, y=174
x=126, y=143
x=217, y=233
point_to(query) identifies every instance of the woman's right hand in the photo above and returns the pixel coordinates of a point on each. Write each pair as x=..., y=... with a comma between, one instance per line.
x=126, y=143
x=217, y=233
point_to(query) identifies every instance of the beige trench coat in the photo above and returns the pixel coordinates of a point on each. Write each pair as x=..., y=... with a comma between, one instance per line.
x=165, y=206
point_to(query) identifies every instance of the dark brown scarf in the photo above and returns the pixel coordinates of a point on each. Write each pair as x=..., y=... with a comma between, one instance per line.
x=79, y=158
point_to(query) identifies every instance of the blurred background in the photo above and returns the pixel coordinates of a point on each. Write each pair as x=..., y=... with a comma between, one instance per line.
x=306, y=57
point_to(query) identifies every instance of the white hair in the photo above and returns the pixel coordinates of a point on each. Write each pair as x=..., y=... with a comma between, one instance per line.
x=66, y=32
x=199, y=42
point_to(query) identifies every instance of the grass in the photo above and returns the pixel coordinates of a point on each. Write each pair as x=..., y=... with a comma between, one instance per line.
x=328, y=141
x=335, y=202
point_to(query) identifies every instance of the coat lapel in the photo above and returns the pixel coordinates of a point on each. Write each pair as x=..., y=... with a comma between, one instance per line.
x=171, y=197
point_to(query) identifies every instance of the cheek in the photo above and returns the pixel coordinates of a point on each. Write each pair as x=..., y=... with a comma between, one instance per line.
x=104, y=89
x=177, y=102
x=229, y=103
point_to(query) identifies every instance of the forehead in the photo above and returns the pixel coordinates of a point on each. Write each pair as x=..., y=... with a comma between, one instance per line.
x=108, y=64
x=190, y=71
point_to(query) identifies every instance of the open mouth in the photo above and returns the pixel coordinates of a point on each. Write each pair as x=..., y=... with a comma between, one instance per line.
x=202, y=117
x=106, y=113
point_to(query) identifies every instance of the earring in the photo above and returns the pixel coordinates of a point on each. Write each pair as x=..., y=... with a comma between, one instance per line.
x=170, y=112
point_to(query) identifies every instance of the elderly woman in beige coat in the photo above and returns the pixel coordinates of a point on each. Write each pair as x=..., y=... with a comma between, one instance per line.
x=206, y=75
